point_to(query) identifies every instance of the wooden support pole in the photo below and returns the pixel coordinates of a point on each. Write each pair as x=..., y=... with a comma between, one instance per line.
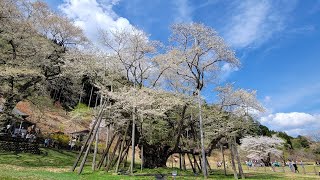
x=200, y=161
x=124, y=139
x=109, y=164
x=126, y=158
x=209, y=167
x=95, y=152
x=196, y=163
x=106, y=151
x=109, y=132
x=125, y=155
x=96, y=103
x=96, y=127
x=90, y=98
x=88, y=138
x=191, y=164
x=180, y=161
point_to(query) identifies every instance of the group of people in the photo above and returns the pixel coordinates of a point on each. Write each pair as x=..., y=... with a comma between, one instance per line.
x=30, y=137
x=254, y=163
x=220, y=163
x=27, y=134
x=293, y=165
x=72, y=143
x=47, y=142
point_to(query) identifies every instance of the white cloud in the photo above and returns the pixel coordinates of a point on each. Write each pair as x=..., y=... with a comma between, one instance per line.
x=184, y=11
x=254, y=22
x=226, y=71
x=294, y=123
x=93, y=15
x=267, y=99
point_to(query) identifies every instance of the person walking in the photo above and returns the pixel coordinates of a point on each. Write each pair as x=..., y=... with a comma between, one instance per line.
x=290, y=165
x=295, y=166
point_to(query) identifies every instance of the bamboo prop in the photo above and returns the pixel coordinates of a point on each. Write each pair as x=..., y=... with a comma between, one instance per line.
x=106, y=151
x=95, y=127
x=200, y=161
x=90, y=97
x=223, y=160
x=188, y=155
x=95, y=152
x=122, y=146
x=106, y=157
x=191, y=163
x=96, y=103
x=112, y=155
x=125, y=155
x=209, y=167
x=196, y=163
x=88, y=138
x=180, y=161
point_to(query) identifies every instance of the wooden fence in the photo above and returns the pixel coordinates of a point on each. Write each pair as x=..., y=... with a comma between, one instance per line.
x=18, y=147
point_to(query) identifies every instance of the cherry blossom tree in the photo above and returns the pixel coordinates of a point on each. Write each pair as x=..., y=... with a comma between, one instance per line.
x=154, y=106
x=196, y=55
x=29, y=60
x=261, y=147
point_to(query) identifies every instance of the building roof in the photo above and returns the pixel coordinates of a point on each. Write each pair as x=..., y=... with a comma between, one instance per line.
x=16, y=111
x=86, y=131
x=20, y=113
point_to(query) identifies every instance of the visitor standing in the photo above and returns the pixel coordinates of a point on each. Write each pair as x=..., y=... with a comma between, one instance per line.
x=295, y=166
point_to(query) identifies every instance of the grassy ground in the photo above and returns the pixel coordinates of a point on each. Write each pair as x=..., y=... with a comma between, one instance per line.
x=55, y=165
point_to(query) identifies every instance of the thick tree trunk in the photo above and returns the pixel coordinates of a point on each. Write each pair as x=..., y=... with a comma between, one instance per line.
x=6, y=116
x=267, y=161
x=155, y=155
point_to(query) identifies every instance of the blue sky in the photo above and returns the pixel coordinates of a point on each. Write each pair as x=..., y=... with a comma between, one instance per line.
x=277, y=42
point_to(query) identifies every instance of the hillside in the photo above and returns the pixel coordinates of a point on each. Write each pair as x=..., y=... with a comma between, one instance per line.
x=51, y=117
